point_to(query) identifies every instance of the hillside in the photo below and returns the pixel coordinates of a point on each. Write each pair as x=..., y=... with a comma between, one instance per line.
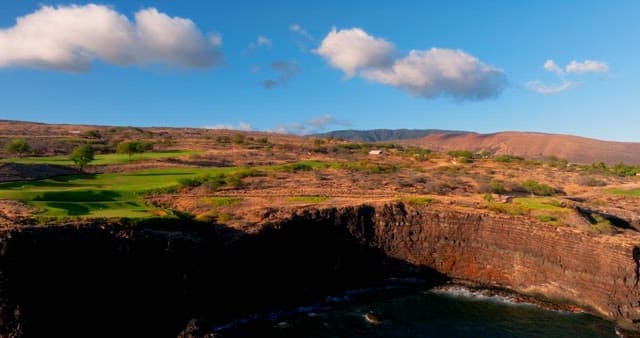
x=535, y=145
x=380, y=135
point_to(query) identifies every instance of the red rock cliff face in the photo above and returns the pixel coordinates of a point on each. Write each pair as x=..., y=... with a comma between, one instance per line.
x=599, y=272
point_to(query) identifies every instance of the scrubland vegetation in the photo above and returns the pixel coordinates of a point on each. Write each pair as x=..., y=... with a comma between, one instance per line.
x=135, y=173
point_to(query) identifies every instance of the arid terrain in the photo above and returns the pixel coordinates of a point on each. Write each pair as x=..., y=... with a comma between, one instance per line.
x=520, y=217
x=329, y=171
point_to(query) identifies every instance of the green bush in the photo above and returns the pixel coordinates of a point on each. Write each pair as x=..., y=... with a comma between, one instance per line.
x=460, y=153
x=192, y=181
x=133, y=147
x=295, y=167
x=624, y=170
x=95, y=133
x=508, y=158
x=82, y=155
x=547, y=218
x=17, y=146
x=419, y=200
x=496, y=187
x=555, y=162
x=539, y=189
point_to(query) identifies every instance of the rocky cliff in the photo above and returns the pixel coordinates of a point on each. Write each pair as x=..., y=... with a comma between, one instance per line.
x=598, y=272
x=149, y=279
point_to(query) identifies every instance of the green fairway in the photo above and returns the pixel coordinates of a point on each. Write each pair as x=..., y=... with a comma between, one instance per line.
x=101, y=159
x=102, y=195
x=119, y=194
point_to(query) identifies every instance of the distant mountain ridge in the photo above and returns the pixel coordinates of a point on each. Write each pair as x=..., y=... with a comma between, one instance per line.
x=380, y=135
x=574, y=149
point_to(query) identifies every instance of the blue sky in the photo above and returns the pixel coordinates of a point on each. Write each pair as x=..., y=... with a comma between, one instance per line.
x=300, y=77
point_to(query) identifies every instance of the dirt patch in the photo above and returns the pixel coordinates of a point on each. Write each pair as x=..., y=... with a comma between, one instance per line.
x=13, y=213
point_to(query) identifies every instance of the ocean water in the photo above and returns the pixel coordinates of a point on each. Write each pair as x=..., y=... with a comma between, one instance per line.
x=455, y=312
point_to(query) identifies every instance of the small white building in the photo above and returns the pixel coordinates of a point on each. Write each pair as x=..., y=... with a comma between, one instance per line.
x=375, y=152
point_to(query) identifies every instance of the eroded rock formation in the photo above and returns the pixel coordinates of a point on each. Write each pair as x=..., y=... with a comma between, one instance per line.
x=151, y=279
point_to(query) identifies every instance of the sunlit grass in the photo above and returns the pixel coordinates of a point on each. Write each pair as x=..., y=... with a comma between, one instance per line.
x=307, y=199
x=625, y=192
x=101, y=159
x=120, y=194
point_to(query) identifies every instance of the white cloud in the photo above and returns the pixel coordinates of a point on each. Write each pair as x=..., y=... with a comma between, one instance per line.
x=429, y=74
x=311, y=126
x=301, y=31
x=69, y=38
x=439, y=72
x=551, y=66
x=542, y=88
x=263, y=41
x=302, y=38
x=587, y=66
x=215, y=39
x=353, y=49
x=242, y=126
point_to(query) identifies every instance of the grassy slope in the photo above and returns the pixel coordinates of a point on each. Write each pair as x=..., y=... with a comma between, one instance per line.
x=101, y=158
x=103, y=195
x=110, y=195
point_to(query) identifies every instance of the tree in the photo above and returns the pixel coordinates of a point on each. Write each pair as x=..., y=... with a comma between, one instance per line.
x=82, y=155
x=17, y=146
x=95, y=133
x=133, y=147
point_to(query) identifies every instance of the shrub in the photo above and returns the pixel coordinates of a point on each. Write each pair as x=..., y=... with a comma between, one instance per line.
x=536, y=188
x=238, y=139
x=192, y=181
x=511, y=209
x=133, y=147
x=419, y=200
x=224, y=139
x=295, y=167
x=93, y=134
x=460, y=153
x=215, y=182
x=597, y=167
x=601, y=224
x=82, y=155
x=547, y=218
x=555, y=162
x=463, y=156
x=590, y=181
x=508, y=158
x=17, y=146
x=624, y=170
x=496, y=187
